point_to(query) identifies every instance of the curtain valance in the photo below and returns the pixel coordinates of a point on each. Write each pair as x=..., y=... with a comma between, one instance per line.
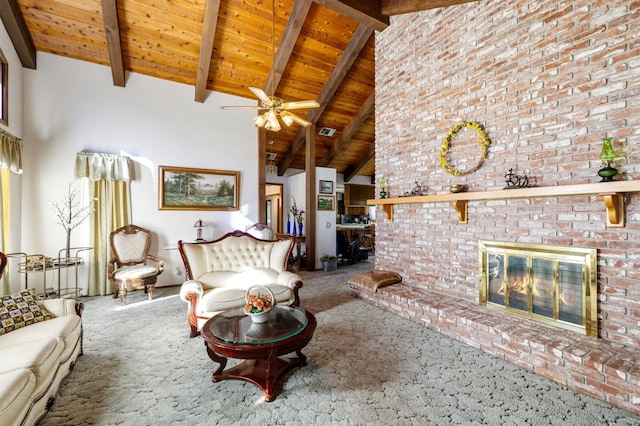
x=96, y=166
x=11, y=154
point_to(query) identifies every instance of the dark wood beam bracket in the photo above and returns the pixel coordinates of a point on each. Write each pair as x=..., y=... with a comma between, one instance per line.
x=211, y=12
x=112, y=33
x=365, y=12
x=397, y=7
x=18, y=33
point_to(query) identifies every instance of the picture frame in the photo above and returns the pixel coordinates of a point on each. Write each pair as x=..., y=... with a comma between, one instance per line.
x=326, y=187
x=326, y=202
x=184, y=188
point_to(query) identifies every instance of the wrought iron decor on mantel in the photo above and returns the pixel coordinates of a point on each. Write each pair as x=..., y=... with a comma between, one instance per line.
x=516, y=181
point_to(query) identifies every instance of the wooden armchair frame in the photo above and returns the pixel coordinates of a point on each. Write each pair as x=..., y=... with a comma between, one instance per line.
x=133, y=272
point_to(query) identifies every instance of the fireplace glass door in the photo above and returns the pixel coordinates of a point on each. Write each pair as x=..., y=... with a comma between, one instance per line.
x=550, y=284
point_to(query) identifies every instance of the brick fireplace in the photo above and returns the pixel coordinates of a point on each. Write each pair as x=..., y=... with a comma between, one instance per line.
x=548, y=80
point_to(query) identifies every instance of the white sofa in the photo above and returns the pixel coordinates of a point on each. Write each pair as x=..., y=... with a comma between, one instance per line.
x=34, y=359
x=219, y=273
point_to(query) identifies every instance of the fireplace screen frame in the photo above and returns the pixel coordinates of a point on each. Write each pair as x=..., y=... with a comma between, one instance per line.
x=558, y=255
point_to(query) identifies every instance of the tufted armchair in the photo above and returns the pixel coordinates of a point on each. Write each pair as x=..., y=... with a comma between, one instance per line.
x=219, y=273
x=128, y=267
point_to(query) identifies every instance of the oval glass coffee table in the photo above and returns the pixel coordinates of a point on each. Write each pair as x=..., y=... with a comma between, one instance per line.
x=232, y=334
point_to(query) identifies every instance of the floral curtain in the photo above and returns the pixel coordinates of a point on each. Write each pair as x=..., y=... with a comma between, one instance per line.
x=10, y=161
x=110, y=177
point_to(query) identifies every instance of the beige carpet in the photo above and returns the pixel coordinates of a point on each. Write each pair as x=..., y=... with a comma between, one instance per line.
x=366, y=367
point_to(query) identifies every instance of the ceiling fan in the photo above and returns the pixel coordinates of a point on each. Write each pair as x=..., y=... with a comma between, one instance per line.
x=275, y=108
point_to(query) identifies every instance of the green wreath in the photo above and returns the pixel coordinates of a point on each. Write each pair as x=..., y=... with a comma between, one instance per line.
x=483, y=143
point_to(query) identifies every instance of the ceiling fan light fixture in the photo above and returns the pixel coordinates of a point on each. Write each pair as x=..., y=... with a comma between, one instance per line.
x=272, y=123
x=287, y=118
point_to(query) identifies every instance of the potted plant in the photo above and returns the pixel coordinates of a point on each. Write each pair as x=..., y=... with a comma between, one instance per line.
x=329, y=262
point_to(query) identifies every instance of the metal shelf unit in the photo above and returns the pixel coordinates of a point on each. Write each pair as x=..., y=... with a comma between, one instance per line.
x=39, y=263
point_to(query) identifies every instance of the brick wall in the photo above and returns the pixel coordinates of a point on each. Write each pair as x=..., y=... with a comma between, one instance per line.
x=548, y=80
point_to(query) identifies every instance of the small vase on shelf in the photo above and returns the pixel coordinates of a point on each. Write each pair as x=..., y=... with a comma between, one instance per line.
x=607, y=155
x=383, y=187
x=300, y=226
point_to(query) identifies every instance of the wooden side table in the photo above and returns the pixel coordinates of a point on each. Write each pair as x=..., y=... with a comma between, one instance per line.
x=298, y=240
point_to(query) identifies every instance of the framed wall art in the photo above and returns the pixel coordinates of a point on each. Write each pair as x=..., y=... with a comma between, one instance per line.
x=326, y=187
x=326, y=202
x=182, y=188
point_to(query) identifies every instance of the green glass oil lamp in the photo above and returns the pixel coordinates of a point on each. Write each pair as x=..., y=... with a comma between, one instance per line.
x=607, y=155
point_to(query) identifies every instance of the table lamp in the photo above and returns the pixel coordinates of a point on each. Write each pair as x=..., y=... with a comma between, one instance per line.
x=199, y=225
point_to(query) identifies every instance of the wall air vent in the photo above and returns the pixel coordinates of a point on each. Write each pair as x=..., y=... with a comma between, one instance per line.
x=271, y=156
x=327, y=131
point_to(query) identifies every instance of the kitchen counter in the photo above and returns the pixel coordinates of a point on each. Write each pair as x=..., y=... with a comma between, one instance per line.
x=361, y=232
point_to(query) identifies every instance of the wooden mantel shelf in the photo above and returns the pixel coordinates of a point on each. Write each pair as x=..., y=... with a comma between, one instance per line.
x=613, y=194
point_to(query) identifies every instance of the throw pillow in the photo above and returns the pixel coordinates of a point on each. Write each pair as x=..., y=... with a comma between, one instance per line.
x=375, y=279
x=20, y=310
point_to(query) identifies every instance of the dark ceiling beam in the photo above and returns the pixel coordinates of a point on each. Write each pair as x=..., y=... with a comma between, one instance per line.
x=356, y=122
x=345, y=63
x=353, y=170
x=366, y=12
x=112, y=33
x=18, y=33
x=211, y=12
x=397, y=7
x=287, y=43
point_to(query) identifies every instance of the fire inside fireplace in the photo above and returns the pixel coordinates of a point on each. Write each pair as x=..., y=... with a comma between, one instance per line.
x=551, y=284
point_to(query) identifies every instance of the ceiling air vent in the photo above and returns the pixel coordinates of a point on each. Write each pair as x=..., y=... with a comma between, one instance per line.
x=327, y=131
x=271, y=156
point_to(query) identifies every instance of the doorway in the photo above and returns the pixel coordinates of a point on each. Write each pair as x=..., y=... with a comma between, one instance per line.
x=273, y=196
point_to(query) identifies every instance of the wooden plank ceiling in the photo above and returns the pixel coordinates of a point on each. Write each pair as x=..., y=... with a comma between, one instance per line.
x=324, y=51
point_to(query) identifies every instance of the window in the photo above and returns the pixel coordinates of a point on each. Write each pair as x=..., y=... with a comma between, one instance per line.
x=4, y=89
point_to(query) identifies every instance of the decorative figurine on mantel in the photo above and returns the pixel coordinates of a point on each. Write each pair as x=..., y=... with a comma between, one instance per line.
x=416, y=191
x=608, y=155
x=516, y=181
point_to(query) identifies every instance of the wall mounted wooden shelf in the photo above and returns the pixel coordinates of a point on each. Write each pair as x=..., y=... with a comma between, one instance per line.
x=613, y=194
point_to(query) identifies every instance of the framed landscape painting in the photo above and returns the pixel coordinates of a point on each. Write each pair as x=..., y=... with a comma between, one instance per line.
x=326, y=187
x=182, y=188
x=325, y=202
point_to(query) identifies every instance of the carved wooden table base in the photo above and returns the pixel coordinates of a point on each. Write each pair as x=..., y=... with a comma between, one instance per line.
x=264, y=364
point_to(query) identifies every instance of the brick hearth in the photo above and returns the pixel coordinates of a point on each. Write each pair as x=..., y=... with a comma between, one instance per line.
x=605, y=370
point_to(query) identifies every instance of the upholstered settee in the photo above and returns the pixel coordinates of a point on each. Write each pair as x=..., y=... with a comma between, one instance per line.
x=35, y=357
x=219, y=273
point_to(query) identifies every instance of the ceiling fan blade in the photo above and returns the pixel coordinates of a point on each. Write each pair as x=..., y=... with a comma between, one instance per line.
x=301, y=121
x=299, y=105
x=261, y=95
x=241, y=107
